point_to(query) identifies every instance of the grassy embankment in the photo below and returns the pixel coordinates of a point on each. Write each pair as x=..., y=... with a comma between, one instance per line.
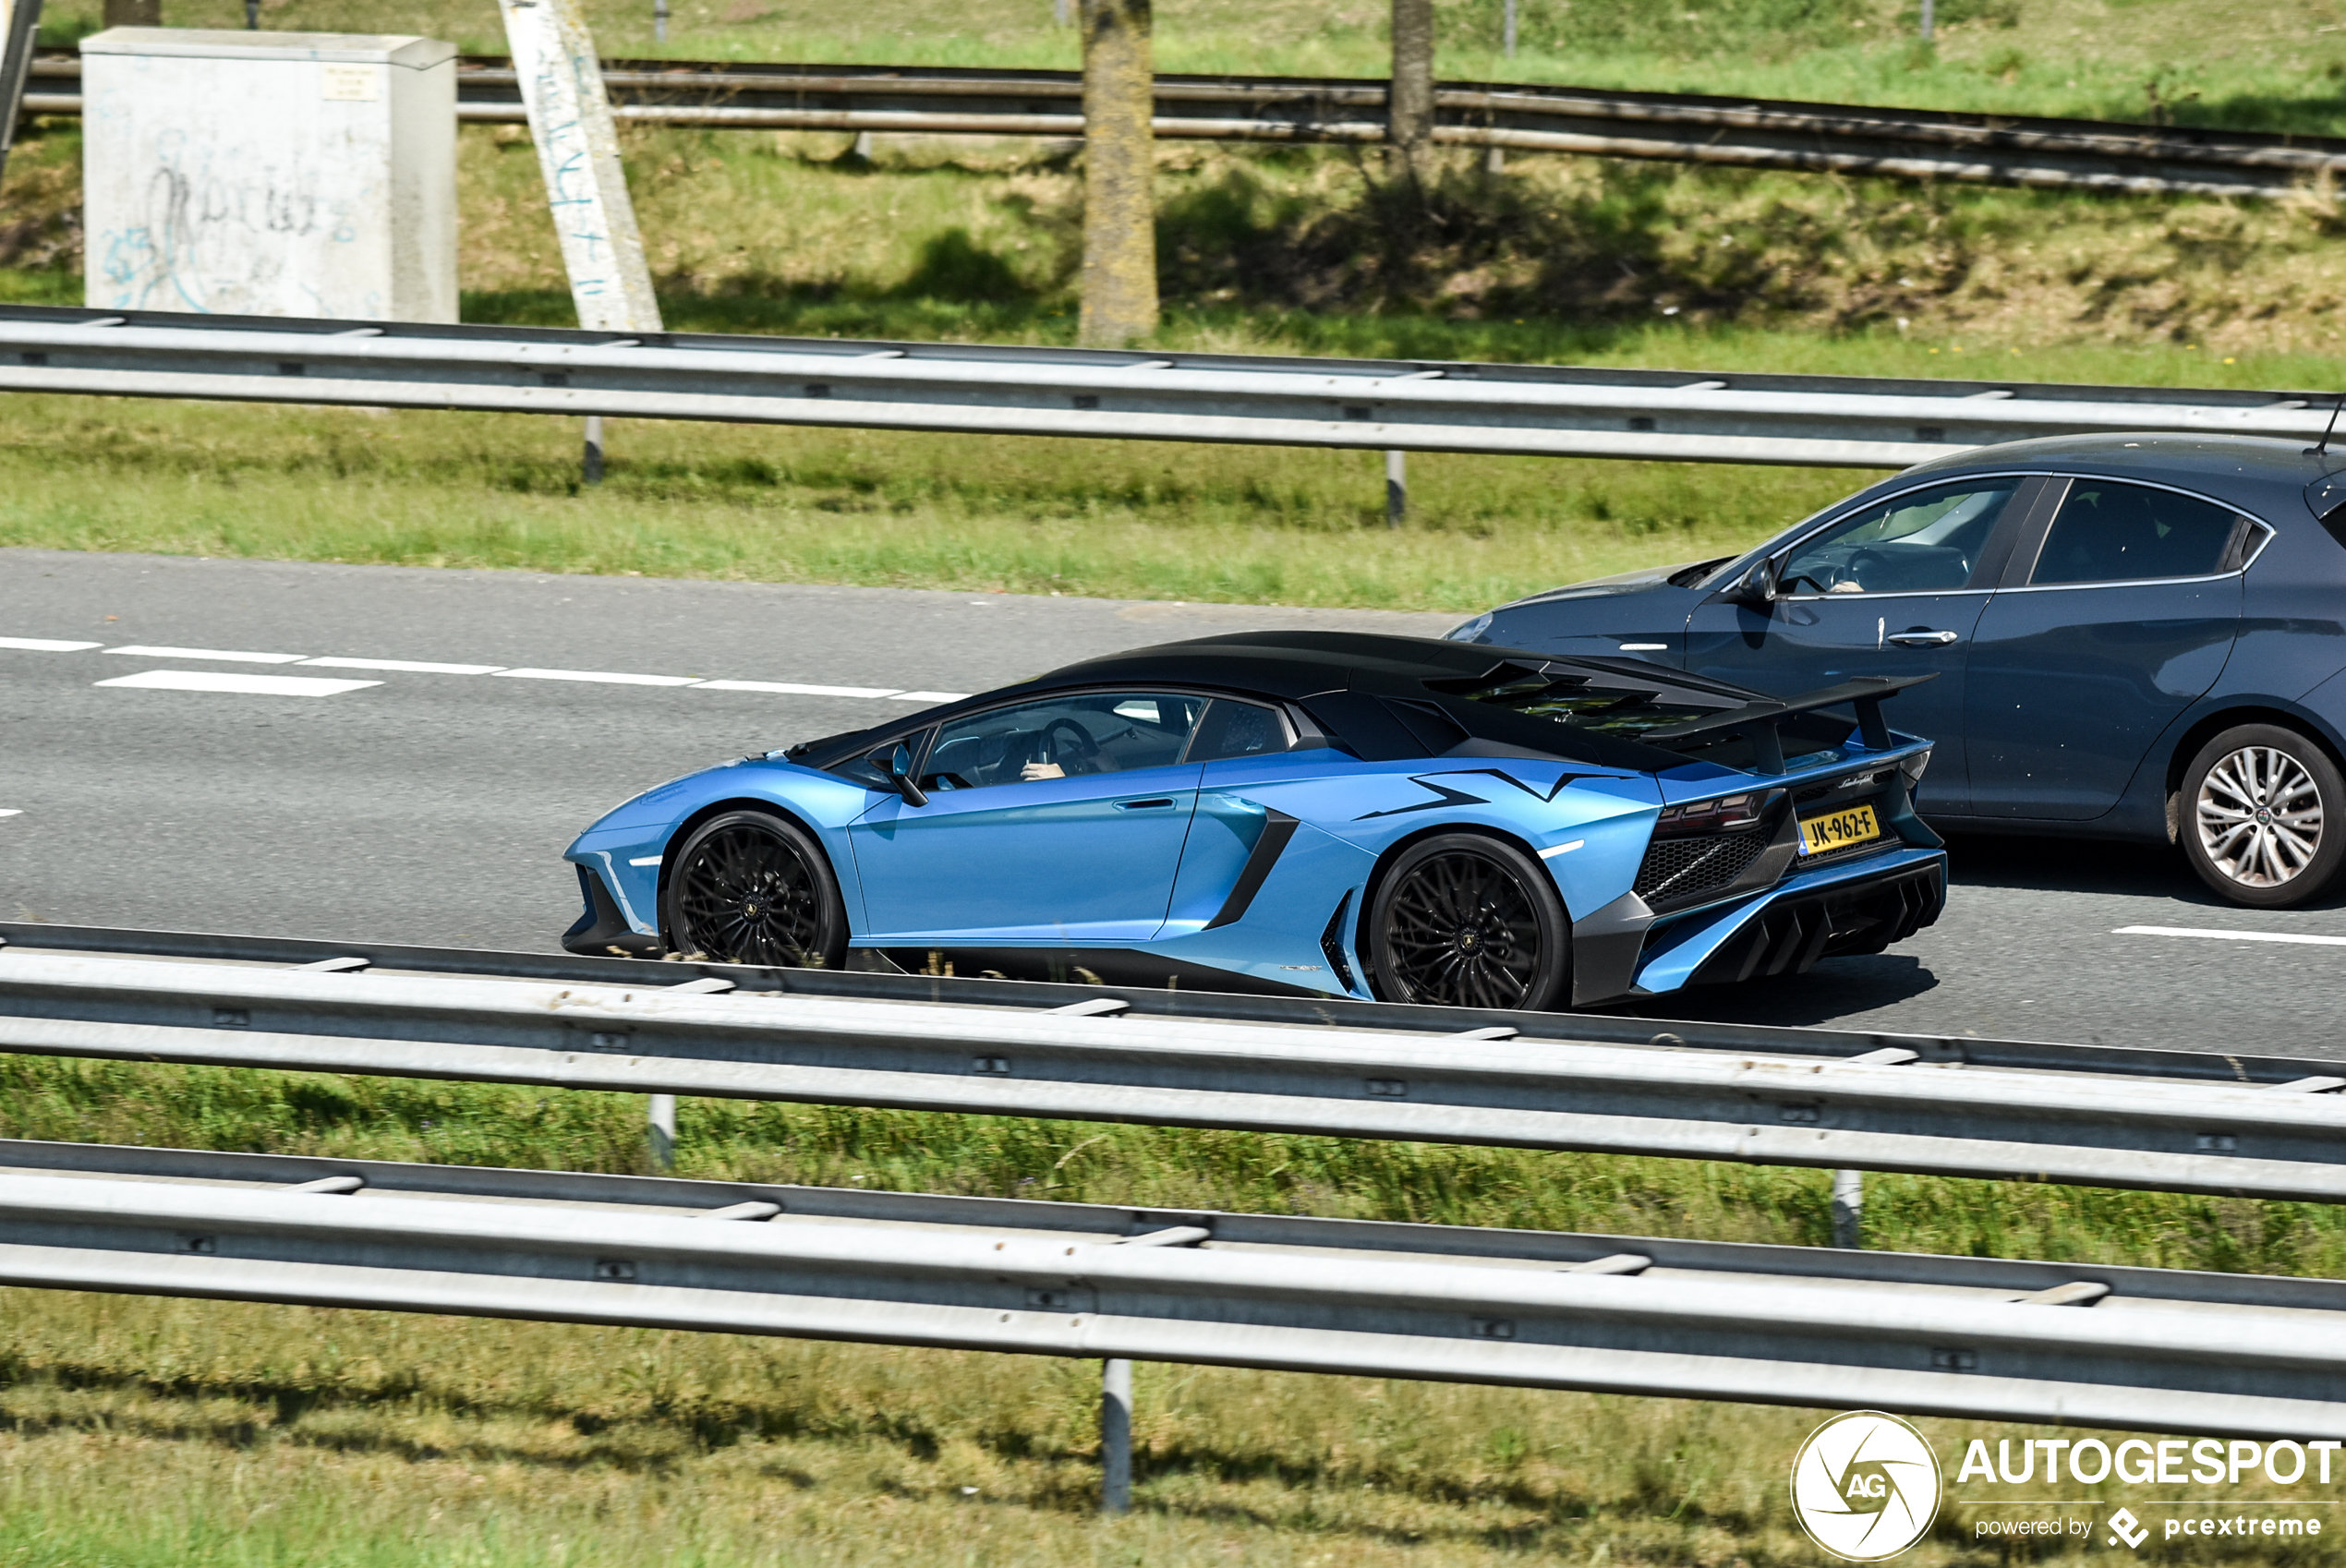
x=1555, y=260
x=136, y=1431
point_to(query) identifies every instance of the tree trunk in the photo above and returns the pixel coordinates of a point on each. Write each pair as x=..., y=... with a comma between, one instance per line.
x=1409, y=122
x=1119, y=172
x=134, y=13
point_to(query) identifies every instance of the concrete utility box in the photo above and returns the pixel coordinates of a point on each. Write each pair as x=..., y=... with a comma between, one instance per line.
x=270, y=173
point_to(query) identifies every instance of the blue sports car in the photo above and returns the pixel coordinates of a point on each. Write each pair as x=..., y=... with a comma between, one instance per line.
x=2132, y=637
x=1336, y=814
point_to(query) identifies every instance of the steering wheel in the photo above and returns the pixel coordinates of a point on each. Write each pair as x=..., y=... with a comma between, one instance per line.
x=1864, y=565
x=1080, y=746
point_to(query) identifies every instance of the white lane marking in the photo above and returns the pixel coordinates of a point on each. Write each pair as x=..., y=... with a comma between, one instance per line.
x=221, y=681
x=2230, y=935
x=931, y=696
x=1645, y=647
x=644, y=860
x=45, y=644
x=404, y=665
x=1562, y=849
x=792, y=688
x=605, y=677
x=136, y=651
x=12, y=811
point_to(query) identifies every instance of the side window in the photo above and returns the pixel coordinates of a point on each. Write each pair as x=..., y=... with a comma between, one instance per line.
x=2113, y=533
x=1928, y=541
x=1236, y=729
x=1065, y=736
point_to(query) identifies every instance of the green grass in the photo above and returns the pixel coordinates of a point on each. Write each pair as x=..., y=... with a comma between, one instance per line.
x=137, y=1431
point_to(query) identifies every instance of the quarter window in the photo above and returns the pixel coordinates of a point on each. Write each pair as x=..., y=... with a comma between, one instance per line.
x=1064, y=736
x=1926, y=541
x=1236, y=729
x=2113, y=533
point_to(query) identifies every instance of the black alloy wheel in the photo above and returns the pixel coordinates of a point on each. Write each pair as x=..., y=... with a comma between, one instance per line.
x=2255, y=813
x=750, y=888
x=1464, y=921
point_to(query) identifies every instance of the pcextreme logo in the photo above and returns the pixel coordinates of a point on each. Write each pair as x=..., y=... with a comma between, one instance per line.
x=1864, y=1486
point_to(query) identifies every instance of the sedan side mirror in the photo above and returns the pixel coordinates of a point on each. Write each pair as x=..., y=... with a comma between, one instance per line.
x=896, y=762
x=1756, y=587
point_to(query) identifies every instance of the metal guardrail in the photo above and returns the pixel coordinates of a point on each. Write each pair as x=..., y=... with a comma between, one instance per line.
x=1755, y=133
x=1839, y=421
x=2115, y=1347
x=1885, y=1110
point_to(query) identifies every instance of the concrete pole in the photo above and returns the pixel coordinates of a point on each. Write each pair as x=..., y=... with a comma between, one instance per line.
x=1115, y=1436
x=1849, y=1209
x=20, y=24
x=660, y=1126
x=1926, y=20
x=1119, y=174
x=1397, y=488
x=660, y=21
x=570, y=120
x=1509, y=29
x=1409, y=118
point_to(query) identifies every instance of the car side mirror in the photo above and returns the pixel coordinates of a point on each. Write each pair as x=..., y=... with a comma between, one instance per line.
x=1756, y=587
x=896, y=762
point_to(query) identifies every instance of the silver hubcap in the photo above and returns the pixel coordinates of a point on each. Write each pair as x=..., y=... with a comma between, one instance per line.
x=2259, y=816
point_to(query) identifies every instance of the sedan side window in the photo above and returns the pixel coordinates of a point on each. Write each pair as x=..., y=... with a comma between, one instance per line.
x=1924, y=542
x=1062, y=738
x=2113, y=533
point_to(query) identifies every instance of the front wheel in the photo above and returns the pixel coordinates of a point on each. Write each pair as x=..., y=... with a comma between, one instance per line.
x=750, y=888
x=1464, y=921
x=2256, y=808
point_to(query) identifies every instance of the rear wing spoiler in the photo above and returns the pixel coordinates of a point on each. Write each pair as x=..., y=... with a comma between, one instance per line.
x=1757, y=722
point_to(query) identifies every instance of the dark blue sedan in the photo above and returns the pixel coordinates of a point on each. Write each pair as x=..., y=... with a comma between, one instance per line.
x=2132, y=637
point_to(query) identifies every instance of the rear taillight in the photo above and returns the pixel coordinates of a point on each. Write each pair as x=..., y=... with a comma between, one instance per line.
x=1728, y=814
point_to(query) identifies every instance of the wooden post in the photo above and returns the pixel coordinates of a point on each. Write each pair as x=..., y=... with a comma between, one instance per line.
x=570, y=120
x=1119, y=174
x=1409, y=115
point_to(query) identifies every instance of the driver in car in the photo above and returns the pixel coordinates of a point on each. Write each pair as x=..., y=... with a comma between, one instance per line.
x=1077, y=759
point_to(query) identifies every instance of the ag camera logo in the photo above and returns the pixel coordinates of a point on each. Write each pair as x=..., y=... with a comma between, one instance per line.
x=1865, y=1486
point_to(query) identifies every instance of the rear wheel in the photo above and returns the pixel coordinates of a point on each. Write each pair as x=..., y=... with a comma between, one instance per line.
x=2261, y=819
x=1464, y=921
x=750, y=888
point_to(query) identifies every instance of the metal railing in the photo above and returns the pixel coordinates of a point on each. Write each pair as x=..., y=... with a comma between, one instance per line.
x=2115, y=1347
x=1755, y=133
x=2272, y=1132
x=1838, y=421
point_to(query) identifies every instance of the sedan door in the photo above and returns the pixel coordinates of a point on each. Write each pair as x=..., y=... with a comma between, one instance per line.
x=1059, y=821
x=1895, y=589
x=2114, y=618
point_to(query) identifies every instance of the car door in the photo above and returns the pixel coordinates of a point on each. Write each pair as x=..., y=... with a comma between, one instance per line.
x=2114, y=616
x=1056, y=820
x=1894, y=589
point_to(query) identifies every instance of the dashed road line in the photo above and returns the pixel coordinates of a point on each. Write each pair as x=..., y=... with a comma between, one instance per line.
x=2299, y=940
x=223, y=680
x=224, y=654
x=404, y=665
x=154, y=679
x=11, y=810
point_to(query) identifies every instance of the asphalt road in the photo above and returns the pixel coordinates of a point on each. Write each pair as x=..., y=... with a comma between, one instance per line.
x=431, y=806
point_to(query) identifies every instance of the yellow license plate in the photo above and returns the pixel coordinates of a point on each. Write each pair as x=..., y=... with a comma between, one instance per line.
x=1852, y=825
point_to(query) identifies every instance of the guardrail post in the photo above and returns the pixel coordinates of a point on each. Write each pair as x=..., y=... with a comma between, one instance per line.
x=20, y=24
x=1849, y=1209
x=661, y=1132
x=1120, y=300
x=660, y=20
x=570, y=120
x=1396, y=487
x=1115, y=1436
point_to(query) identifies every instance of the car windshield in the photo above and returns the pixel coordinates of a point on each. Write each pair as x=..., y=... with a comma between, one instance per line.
x=1572, y=699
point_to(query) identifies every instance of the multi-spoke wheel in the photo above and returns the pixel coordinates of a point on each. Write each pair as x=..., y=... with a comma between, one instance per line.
x=2258, y=804
x=750, y=888
x=1464, y=921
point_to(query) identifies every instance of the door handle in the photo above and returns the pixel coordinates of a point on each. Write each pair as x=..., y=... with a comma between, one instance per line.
x=1162, y=802
x=1923, y=639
